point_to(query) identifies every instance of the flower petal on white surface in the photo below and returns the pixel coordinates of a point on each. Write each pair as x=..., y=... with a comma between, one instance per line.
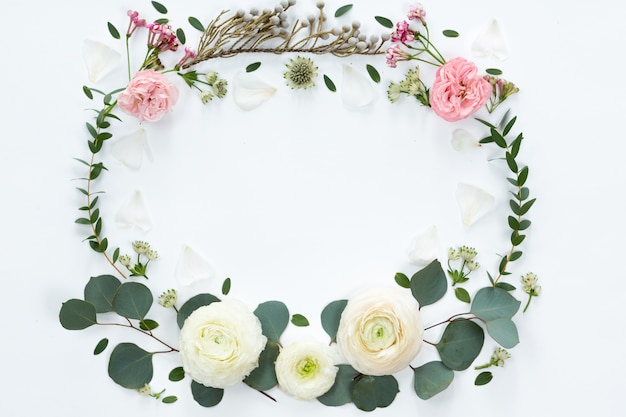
x=193, y=267
x=463, y=140
x=129, y=150
x=490, y=42
x=473, y=202
x=99, y=59
x=424, y=247
x=356, y=90
x=250, y=92
x=134, y=213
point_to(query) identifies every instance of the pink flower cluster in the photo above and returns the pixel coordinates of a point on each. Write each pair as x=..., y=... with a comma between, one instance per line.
x=395, y=54
x=402, y=33
x=417, y=12
x=148, y=96
x=162, y=37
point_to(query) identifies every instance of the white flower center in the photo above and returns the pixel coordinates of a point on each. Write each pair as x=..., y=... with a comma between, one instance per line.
x=217, y=343
x=378, y=333
x=307, y=367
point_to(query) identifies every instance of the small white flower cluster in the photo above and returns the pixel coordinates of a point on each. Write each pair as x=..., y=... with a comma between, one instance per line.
x=529, y=282
x=143, y=248
x=499, y=356
x=139, y=268
x=218, y=87
x=168, y=299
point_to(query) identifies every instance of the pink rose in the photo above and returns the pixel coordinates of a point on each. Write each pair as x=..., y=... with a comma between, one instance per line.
x=148, y=96
x=458, y=90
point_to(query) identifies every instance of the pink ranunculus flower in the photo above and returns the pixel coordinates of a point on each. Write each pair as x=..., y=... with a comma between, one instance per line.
x=458, y=91
x=148, y=96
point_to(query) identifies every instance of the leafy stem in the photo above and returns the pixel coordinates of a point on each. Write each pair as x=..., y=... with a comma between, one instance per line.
x=149, y=333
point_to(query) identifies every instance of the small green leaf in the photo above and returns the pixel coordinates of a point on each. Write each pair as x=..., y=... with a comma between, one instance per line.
x=341, y=391
x=176, y=374
x=498, y=138
x=342, y=10
x=462, y=294
x=101, y=346
x=511, y=162
x=206, y=396
x=524, y=224
x=526, y=206
x=226, y=286
x=460, y=344
x=299, y=320
x=509, y=126
x=429, y=284
x=147, y=324
x=402, y=280
x=195, y=23
x=331, y=316
x=130, y=366
x=515, y=256
x=253, y=67
x=113, y=30
x=517, y=239
x=384, y=21
x=371, y=392
x=493, y=71
x=87, y=92
x=162, y=21
x=373, y=72
x=449, y=33
x=170, y=399
x=522, y=176
x=483, y=378
x=180, y=34
x=274, y=317
x=431, y=378
x=77, y=314
x=159, y=7
x=132, y=300
x=82, y=221
x=505, y=286
x=263, y=377
x=329, y=83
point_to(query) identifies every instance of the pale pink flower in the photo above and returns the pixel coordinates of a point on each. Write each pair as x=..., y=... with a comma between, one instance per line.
x=458, y=91
x=417, y=12
x=148, y=96
x=395, y=54
x=135, y=22
x=189, y=54
x=403, y=33
x=162, y=37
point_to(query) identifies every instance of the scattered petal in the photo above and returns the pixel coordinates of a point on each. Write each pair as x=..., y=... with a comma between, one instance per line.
x=99, y=59
x=249, y=91
x=357, y=89
x=473, y=202
x=129, y=150
x=424, y=247
x=490, y=42
x=134, y=213
x=193, y=267
x=463, y=140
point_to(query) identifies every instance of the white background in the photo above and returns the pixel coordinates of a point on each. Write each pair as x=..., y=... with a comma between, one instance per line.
x=306, y=201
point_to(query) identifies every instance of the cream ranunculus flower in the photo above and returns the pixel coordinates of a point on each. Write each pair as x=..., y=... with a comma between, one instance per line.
x=380, y=331
x=220, y=343
x=306, y=369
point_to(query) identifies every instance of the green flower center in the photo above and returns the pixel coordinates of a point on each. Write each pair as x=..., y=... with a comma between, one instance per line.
x=307, y=367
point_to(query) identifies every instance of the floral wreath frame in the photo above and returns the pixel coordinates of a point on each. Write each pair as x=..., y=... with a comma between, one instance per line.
x=308, y=371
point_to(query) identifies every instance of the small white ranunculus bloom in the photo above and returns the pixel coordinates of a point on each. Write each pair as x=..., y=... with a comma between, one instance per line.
x=306, y=369
x=220, y=343
x=381, y=331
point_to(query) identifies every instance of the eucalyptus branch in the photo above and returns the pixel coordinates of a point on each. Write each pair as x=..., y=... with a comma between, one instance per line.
x=451, y=319
x=147, y=333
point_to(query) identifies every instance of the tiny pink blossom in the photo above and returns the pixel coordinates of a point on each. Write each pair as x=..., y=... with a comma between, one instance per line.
x=417, y=12
x=403, y=33
x=189, y=54
x=458, y=91
x=135, y=22
x=395, y=54
x=148, y=96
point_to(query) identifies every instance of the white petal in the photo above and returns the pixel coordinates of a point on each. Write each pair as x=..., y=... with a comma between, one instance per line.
x=249, y=91
x=424, y=247
x=356, y=90
x=193, y=267
x=99, y=59
x=490, y=42
x=473, y=202
x=134, y=213
x=463, y=140
x=129, y=149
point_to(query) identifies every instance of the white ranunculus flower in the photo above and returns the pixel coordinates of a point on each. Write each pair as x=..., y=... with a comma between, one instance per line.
x=306, y=369
x=380, y=331
x=220, y=343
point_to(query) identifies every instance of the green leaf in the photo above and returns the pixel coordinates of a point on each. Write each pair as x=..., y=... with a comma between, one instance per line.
x=176, y=374
x=253, y=67
x=299, y=320
x=486, y=123
x=100, y=292
x=130, y=366
x=514, y=207
x=92, y=130
x=329, y=83
x=88, y=92
x=494, y=303
x=515, y=256
x=513, y=223
x=159, y=7
x=341, y=391
x=82, y=221
x=101, y=346
x=429, y=284
x=498, y=138
x=192, y=304
x=493, y=71
x=524, y=224
x=526, y=206
x=449, y=33
x=402, y=280
x=195, y=23
x=505, y=286
x=371, y=392
x=504, y=332
x=162, y=21
x=517, y=239
x=522, y=176
x=180, y=34
x=274, y=317
x=226, y=286
x=431, y=378
x=460, y=344
x=509, y=126
x=170, y=399
x=384, y=21
x=147, y=324
x=511, y=162
x=77, y=314
x=342, y=10
x=132, y=300
x=116, y=254
x=331, y=316
x=263, y=377
x=373, y=72
x=206, y=396
x=483, y=378
x=462, y=295
x=113, y=30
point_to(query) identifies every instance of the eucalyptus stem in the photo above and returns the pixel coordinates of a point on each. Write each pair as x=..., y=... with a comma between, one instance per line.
x=147, y=333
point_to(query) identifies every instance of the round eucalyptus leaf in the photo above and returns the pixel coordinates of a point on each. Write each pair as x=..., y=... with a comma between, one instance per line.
x=77, y=314
x=299, y=320
x=132, y=300
x=176, y=374
x=402, y=280
x=460, y=344
x=504, y=332
x=429, y=284
x=462, y=295
x=341, y=391
x=494, y=303
x=206, y=396
x=483, y=378
x=331, y=316
x=274, y=317
x=432, y=378
x=263, y=377
x=100, y=292
x=371, y=392
x=147, y=324
x=192, y=304
x=130, y=366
